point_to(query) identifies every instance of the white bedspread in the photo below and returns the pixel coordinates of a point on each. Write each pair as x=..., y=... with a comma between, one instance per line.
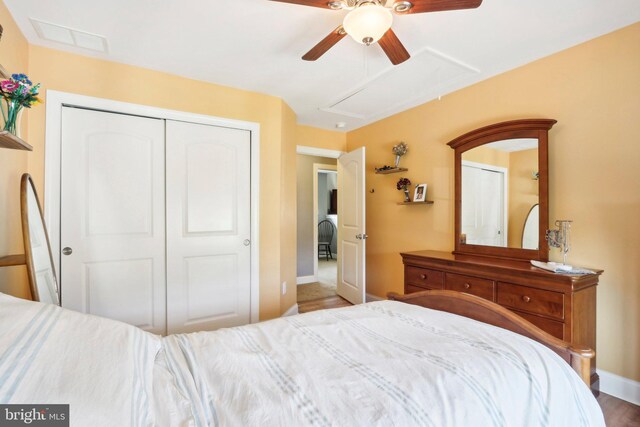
x=384, y=363
x=101, y=368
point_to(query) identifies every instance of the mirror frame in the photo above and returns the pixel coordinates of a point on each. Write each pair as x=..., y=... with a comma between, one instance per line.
x=25, y=182
x=526, y=128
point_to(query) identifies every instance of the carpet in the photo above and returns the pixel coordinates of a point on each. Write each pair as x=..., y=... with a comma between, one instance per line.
x=315, y=290
x=324, y=287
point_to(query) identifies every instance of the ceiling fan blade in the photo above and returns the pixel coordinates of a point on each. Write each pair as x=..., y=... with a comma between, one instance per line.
x=422, y=6
x=314, y=3
x=394, y=48
x=327, y=43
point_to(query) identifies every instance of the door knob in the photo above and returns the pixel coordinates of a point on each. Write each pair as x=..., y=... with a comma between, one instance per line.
x=361, y=236
x=67, y=251
x=247, y=242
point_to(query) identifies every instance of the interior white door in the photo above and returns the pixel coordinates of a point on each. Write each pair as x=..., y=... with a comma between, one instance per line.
x=112, y=230
x=352, y=227
x=208, y=227
x=483, y=204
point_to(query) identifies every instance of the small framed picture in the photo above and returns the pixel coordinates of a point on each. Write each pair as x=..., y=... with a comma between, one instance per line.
x=420, y=195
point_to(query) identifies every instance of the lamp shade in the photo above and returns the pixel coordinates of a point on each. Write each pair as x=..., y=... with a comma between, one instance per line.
x=368, y=23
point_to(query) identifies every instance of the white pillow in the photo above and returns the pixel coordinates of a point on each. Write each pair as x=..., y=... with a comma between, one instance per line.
x=102, y=368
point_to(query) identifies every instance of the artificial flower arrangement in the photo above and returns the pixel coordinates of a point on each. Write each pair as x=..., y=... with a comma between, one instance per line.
x=403, y=184
x=400, y=150
x=17, y=92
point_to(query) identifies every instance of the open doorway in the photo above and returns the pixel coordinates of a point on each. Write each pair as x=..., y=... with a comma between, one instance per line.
x=317, y=227
x=350, y=234
x=326, y=233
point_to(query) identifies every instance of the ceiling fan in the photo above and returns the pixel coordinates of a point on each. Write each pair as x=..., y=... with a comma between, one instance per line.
x=369, y=21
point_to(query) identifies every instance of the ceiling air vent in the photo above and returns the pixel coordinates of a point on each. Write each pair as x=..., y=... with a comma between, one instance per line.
x=60, y=34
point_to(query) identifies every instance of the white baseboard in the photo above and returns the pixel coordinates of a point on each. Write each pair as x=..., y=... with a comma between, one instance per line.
x=371, y=298
x=293, y=310
x=303, y=280
x=620, y=387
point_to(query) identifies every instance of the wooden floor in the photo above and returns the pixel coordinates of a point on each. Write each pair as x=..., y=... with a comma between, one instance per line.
x=322, y=303
x=617, y=412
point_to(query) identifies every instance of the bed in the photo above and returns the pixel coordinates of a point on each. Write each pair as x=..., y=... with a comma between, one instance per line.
x=387, y=363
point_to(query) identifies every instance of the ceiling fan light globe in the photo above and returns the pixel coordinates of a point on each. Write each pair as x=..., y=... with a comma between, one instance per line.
x=368, y=23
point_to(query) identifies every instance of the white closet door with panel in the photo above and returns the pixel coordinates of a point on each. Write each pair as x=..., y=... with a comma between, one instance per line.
x=113, y=217
x=208, y=227
x=483, y=209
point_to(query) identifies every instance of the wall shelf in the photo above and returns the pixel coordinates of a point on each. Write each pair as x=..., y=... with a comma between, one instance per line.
x=388, y=171
x=428, y=202
x=9, y=140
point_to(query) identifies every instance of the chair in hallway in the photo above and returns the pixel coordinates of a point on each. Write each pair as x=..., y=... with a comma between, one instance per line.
x=325, y=237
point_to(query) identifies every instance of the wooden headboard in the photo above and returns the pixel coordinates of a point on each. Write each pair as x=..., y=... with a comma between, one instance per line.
x=473, y=307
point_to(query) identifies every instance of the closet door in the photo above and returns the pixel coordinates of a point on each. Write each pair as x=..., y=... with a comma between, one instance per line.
x=208, y=227
x=112, y=219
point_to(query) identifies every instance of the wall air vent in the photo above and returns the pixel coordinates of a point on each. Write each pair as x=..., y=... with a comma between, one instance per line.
x=69, y=36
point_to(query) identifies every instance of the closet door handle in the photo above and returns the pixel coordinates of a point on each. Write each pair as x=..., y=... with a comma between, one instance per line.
x=246, y=242
x=67, y=251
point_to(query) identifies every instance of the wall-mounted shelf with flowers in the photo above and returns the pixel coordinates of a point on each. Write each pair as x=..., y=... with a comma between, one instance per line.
x=9, y=140
x=17, y=92
x=399, y=150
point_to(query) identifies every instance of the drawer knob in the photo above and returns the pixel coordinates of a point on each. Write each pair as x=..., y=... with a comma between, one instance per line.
x=423, y=276
x=467, y=286
x=526, y=298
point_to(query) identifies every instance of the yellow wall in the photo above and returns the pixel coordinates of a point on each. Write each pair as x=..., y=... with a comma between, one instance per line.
x=321, y=138
x=593, y=90
x=13, y=163
x=523, y=192
x=288, y=209
x=488, y=156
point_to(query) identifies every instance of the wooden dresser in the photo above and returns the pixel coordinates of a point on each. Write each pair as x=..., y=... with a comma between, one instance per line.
x=562, y=305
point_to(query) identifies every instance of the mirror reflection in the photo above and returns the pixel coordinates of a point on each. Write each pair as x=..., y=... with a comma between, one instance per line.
x=499, y=190
x=42, y=276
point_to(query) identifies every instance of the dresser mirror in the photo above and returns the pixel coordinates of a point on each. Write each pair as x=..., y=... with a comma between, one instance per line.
x=501, y=184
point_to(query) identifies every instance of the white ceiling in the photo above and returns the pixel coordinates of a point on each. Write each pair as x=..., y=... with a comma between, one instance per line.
x=257, y=45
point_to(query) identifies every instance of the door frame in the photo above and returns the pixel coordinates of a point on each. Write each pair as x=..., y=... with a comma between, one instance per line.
x=56, y=100
x=317, y=169
x=318, y=152
x=505, y=193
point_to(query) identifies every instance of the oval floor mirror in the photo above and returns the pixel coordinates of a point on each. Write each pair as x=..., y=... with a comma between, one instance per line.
x=41, y=272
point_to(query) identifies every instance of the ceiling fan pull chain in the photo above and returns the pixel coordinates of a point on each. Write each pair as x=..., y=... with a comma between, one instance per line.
x=365, y=60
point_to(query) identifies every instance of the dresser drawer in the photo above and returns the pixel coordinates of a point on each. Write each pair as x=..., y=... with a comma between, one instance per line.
x=424, y=277
x=531, y=300
x=408, y=289
x=552, y=327
x=470, y=285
